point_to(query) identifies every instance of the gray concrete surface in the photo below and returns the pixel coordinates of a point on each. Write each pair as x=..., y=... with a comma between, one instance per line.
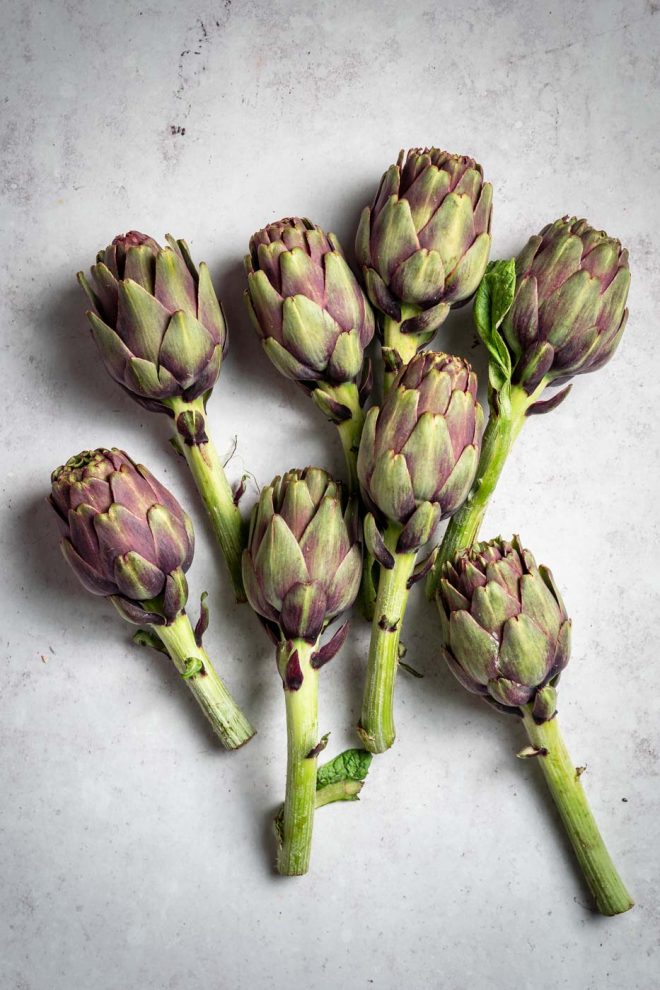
x=134, y=855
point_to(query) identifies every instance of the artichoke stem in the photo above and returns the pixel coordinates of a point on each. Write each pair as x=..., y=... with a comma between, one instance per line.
x=376, y=728
x=302, y=739
x=405, y=345
x=565, y=785
x=228, y=721
x=350, y=430
x=207, y=470
x=504, y=425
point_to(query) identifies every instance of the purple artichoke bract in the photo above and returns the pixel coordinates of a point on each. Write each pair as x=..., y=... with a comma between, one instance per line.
x=312, y=316
x=419, y=451
x=569, y=310
x=505, y=631
x=157, y=321
x=423, y=245
x=124, y=534
x=303, y=564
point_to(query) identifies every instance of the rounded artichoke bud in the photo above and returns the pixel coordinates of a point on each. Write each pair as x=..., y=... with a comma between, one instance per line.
x=306, y=305
x=505, y=632
x=569, y=310
x=425, y=241
x=302, y=565
x=124, y=534
x=157, y=323
x=419, y=452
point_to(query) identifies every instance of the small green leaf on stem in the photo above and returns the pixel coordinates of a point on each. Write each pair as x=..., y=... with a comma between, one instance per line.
x=193, y=666
x=410, y=670
x=320, y=746
x=145, y=637
x=493, y=301
x=352, y=764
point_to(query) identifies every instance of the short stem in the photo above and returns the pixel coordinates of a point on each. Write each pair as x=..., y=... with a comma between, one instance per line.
x=376, y=728
x=207, y=470
x=302, y=739
x=504, y=425
x=228, y=721
x=404, y=345
x=350, y=430
x=341, y=790
x=565, y=786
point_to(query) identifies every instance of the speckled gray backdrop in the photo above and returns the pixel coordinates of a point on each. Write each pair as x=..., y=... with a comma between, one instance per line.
x=134, y=855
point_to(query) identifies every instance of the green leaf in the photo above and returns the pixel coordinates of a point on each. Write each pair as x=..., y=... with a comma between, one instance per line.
x=493, y=301
x=145, y=637
x=353, y=764
x=193, y=665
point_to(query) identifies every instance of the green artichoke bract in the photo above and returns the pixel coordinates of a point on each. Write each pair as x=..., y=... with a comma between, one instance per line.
x=559, y=311
x=301, y=569
x=423, y=245
x=127, y=539
x=506, y=636
x=569, y=310
x=505, y=632
x=314, y=320
x=417, y=460
x=161, y=333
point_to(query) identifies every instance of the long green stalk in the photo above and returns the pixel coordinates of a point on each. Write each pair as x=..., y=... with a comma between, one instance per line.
x=565, y=786
x=302, y=739
x=207, y=470
x=376, y=728
x=228, y=721
x=504, y=425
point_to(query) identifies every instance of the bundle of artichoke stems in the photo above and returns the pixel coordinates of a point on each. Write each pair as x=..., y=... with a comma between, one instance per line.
x=416, y=457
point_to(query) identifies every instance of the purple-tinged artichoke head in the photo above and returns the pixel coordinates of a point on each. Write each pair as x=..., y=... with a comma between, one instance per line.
x=156, y=319
x=124, y=534
x=303, y=564
x=569, y=310
x=425, y=241
x=313, y=318
x=419, y=451
x=505, y=632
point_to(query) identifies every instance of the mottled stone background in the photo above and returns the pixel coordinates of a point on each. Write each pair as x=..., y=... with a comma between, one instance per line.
x=135, y=854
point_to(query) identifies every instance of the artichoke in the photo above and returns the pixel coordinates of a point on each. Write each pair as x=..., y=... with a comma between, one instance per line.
x=301, y=568
x=125, y=536
x=302, y=564
x=161, y=334
x=506, y=636
x=313, y=319
x=157, y=321
x=423, y=245
x=505, y=632
x=127, y=539
x=417, y=461
x=569, y=310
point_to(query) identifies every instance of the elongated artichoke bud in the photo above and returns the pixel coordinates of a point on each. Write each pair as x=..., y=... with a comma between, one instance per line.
x=419, y=451
x=569, y=310
x=306, y=305
x=423, y=245
x=302, y=565
x=124, y=534
x=505, y=631
x=156, y=319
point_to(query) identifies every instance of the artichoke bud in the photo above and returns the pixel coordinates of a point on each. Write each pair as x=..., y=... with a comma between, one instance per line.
x=569, y=309
x=124, y=534
x=303, y=563
x=423, y=244
x=313, y=318
x=419, y=452
x=504, y=629
x=156, y=319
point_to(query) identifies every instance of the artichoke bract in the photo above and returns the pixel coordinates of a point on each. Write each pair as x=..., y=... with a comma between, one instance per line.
x=505, y=631
x=127, y=539
x=569, y=310
x=161, y=333
x=417, y=461
x=505, y=634
x=423, y=245
x=301, y=569
x=313, y=319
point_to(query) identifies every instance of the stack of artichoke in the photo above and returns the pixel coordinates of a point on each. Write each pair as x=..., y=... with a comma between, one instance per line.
x=416, y=454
